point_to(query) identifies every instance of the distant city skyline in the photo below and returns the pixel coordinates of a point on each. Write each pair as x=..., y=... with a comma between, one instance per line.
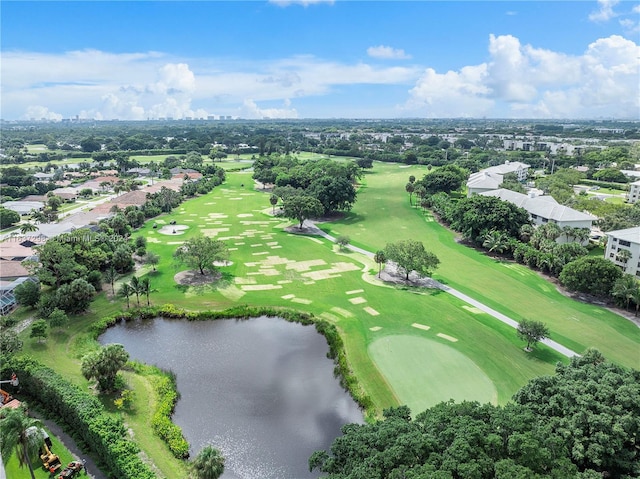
x=320, y=59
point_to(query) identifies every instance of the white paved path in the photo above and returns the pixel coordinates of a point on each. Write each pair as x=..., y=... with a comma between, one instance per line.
x=313, y=229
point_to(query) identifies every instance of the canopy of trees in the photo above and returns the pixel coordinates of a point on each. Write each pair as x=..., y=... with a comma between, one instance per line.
x=592, y=275
x=580, y=423
x=200, y=252
x=410, y=256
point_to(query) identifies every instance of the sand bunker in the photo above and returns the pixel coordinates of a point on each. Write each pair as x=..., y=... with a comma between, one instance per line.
x=173, y=230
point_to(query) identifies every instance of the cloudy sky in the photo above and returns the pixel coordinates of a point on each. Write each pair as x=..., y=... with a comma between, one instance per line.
x=320, y=59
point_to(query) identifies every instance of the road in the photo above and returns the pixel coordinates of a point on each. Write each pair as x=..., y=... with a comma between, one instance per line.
x=313, y=229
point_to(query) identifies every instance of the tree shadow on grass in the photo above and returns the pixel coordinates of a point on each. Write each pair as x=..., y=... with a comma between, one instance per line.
x=545, y=354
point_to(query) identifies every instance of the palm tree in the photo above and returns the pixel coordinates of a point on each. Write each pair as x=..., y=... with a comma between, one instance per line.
x=410, y=189
x=22, y=435
x=125, y=291
x=625, y=289
x=110, y=276
x=381, y=259
x=28, y=228
x=208, y=464
x=145, y=288
x=623, y=256
x=273, y=199
x=135, y=288
x=496, y=241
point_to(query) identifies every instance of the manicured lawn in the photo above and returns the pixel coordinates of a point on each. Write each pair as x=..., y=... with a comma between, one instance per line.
x=424, y=372
x=382, y=214
x=13, y=471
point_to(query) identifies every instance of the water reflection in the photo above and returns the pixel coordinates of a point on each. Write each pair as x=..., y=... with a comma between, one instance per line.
x=260, y=390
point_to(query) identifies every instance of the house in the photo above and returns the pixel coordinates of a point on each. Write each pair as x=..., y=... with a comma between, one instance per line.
x=68, y=194
x=23, y=208
x=544, y=209
x=624, y=240
x=139, y=171
x=634, y=192
x=491, y=178
x=179, y=173
x=43, y=176
x=7, y=296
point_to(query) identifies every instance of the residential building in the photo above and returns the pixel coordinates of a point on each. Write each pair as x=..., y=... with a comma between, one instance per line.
x=634, y=192
x=23, y=207
x=618, y=242
x=544, y=209
x=491, y=178
x=7, y=296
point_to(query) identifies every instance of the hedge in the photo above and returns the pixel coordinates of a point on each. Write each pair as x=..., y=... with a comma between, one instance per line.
x=82, y=415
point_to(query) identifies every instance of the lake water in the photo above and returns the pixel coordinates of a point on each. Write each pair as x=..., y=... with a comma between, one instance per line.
x=262, y=390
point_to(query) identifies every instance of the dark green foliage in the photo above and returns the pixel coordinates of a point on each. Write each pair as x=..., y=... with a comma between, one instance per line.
x=581, y=423
x=590, y=275
x=411, y=256
x=39, y=329
x=75, y=297
x=477, y=215
x=444, y=180
x=165, y=388
x=27, y=294
x=8, y=217
x=82, y=415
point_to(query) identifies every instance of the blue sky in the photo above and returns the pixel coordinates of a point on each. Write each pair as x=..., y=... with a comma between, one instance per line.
x=320, y=59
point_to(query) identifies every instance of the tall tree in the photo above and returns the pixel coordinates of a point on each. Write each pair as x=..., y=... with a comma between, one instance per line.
x=28, y=227
x=20, y=435
x=380, y=259
x=590, y=275
x=125, y=292
x=410, y=256
x=110, y=276
x=302, y=207
x=145, y=288
x=273, y=199
x=208, y=464
x=495, y=241
x=135, y=288
x=152, y=259
x=410, y=188
x=532, y=331
x=103, y=365
x=625, y=289
x=201, y=252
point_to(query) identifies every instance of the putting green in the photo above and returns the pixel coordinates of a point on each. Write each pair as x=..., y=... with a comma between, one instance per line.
x=423, y=372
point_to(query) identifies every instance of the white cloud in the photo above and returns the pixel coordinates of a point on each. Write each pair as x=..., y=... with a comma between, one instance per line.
x=39, y=112
x=522, y=81
x=606, y=11
x=385, y=52
x=252, y=111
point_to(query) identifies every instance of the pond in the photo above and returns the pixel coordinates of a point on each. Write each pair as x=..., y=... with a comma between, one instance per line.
x=261, y=390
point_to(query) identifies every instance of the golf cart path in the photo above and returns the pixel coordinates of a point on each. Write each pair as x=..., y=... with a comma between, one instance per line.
x=313, y=229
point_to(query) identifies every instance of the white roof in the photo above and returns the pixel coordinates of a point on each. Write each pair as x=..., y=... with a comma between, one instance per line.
x=485, y=179
x=544, y=206
x=630, y=234
x=507, y=167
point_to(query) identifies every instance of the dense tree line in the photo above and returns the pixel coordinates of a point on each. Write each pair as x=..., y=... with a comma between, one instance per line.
x=580, y=423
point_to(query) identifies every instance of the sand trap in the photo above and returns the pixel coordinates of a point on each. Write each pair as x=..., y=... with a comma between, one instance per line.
x=358, y=300
x=371, y=311
x=375, y=328
x=285, y=281
x=421, y=326
x=173, y=230
x=301, y=301
x=472, y=309
x=260, y=287
x=175, y=242
x=447, y=337
x=355, y=291
x=342, y=312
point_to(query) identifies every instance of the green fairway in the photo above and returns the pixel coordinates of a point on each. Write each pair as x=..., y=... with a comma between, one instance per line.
x=383, y=214
x=423, y=372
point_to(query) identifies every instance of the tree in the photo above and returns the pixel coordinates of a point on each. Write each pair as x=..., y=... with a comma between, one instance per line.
x=10, y=343
x=532, y=331
x=380, y=259
x=39, y=329
x=20, y=435
x=28, y=227
x=590, y=275
x=273, y=199
x=411, y=256
x=28, y=293
x=200, y=252
x=54, y=202
x=208, y=464
x=103, y=365
x=145, y=288
x=135, y=288
x=625, y=289
x=410, y=188
x=125, y=291
x=110, y=276
x=75, y=297
x=495, y=241
x=343, y=241
x=8, y=217
x=445, y=179
x=302, y=207
x=58, y=318
x=152, y=259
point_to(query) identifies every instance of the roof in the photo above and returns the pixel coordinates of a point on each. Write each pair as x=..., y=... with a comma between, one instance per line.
x=630, y=234
x=485, y=179
x=544, y=206
x=23, y=207
x=12, y=269
x=507, y=167
x=10, y=249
